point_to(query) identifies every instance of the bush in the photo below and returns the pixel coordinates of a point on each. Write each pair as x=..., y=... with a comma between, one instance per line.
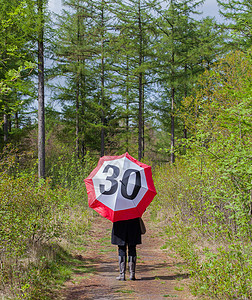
x=225, y=273
x=206, y=195
x=218, y=259
x=34, y=218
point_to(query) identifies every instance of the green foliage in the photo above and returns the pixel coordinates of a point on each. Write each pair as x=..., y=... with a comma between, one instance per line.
x=28, y=211
x=238, y=22
x=220, y=155
x=206, y=195
x=111, y=54
x=35, y=218
x=218, y=260
x=225, y=273
x=68, y=171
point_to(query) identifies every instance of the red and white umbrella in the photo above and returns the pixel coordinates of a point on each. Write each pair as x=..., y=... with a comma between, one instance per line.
x=120, y=187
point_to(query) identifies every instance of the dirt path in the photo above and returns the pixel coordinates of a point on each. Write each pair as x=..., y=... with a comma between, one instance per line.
x=159, y=276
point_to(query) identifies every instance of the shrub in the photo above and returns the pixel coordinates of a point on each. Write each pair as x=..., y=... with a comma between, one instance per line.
x=34, y=218
x=206, y=195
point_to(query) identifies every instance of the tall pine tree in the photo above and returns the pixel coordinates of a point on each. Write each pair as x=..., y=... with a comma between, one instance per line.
x=239, y=15
x=134, y=23
x=178, y=60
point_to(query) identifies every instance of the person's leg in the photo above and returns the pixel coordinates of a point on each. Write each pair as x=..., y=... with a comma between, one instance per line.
x=122, y=250
x=132, y=261
x=122, y=262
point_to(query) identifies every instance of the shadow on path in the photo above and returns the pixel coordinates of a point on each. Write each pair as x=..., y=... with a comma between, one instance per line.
x=101, y=265
x=95, y=271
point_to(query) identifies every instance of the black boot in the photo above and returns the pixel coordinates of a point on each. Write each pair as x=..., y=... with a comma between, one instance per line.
x=132, y=267
x=122, y=268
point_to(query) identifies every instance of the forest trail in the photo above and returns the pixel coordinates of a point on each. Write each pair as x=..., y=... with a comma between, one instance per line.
x=159, y=276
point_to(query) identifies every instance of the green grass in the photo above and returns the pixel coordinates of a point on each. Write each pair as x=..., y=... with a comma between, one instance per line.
x=106, y=250
x=65, y=265
x=179, y=288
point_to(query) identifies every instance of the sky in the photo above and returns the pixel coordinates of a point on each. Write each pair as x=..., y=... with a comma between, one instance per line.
x=209, y=8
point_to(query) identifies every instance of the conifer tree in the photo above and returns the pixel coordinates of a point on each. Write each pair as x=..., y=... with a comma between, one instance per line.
x=41, y=84
x=133, y=27
x=76, y=51
x=102, y=18
x=238, y=13
x=209, y=45
x=83, y=52
x=38, y=15
x=179, y=59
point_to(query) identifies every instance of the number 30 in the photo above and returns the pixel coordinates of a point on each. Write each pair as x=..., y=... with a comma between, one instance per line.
x=124, y=181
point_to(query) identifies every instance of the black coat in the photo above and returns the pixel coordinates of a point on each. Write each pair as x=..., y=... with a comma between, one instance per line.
x=126, y=232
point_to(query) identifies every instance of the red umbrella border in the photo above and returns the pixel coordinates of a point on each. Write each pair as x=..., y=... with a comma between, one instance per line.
x=127, y=213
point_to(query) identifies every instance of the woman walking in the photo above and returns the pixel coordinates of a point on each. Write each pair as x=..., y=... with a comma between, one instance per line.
x=126, y=234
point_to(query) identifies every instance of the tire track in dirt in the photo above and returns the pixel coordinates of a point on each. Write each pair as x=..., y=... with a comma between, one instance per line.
x=159, y=276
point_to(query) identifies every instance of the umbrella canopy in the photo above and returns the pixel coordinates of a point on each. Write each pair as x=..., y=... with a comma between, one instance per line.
x=120, y=187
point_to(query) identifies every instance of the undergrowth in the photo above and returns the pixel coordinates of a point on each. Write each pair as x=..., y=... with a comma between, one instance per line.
x=218, y=260
x=40, y=222
x=206, y=196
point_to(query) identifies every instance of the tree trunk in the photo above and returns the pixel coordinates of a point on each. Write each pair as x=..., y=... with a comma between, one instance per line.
x=140, y=89
x=41, y=95
x=127, y=107
x=102, y=112
x=172, y=105
x=83, y=105
x=140, y=122
x=185, y=95
x=77, y=118
x=77, y=102
x=143, y=141
x=172, y=126
x=102, y=87
x=16, y=120
x=9, y=123
x=5, y=127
